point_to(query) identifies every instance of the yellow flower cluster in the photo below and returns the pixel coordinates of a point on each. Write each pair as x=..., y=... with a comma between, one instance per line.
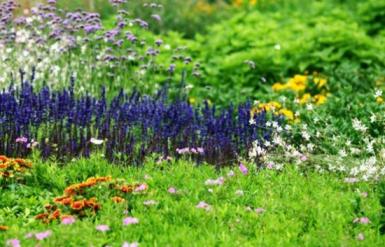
x=239, y=3
x=274, y=107
x=301, y=85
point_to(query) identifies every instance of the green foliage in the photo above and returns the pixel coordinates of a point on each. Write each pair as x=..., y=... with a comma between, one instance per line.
x=283, y=43
x=307, y=209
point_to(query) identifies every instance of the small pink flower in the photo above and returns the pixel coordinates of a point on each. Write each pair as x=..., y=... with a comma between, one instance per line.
x=43, y=235
x=364, y=194
x=362, y=220
x=141, y=187
x=203, y=205
x=68, y=220
x=239, y=193
x=21, y=139
x=130, y=221
x=303, y=158
x=360, y=236
x=102, y=228
x=29, y=235
x=259, y=210
x=172, y=190
x=243, y=169
x=150, y=202
x=218, y=181
x=126, y=244
x=231, y=173
x=270, y=165
x=13, y=243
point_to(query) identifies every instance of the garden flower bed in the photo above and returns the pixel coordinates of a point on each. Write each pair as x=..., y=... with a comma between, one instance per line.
x=192, y=123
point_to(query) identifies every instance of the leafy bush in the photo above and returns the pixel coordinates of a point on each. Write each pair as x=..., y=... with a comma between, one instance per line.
x=253, y=47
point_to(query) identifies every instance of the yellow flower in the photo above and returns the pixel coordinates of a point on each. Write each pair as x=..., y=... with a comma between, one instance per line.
x=305, y=98
x=192, y=100
x=319, y=99
x=297, y=83
x=320, y=82
x=287, y=113
x=278, y=86
x=270, y=106
x=379, y=100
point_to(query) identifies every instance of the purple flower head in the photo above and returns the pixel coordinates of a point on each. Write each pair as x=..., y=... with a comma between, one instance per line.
x=130, y=221
x=243, y=169
x=156, y=17
x=43, y=235
x=22, y=139
x=91, y=28
x=13, y=242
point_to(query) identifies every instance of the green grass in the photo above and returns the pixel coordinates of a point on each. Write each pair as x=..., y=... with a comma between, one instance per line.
x=300, y=209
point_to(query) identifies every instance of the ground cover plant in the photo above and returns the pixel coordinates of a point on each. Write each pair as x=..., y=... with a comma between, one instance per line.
x=135, y=123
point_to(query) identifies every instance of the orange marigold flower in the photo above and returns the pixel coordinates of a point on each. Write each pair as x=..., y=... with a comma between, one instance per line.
x=72, y=189
x=117, y=199
x=24, y=163
x=3, y=158
x=4, y=165
x=41, y=216
x=127, y=188
x=4, y=228
x=77, y=205
x=65, y=200
x=56, y=214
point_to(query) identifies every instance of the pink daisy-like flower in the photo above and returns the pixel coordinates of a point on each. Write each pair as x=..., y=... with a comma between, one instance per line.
x=172, y=190
x=68, y=220
x=141, y=187
x=43, y=235
x=126, y=244
x=102, y=228
x=29, y=235
x=13, y=243
x=203, y=205
x=243, y=169
x=362, y=220
x=130, y=221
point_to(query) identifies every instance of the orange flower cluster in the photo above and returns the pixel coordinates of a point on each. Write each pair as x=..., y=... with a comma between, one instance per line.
x=13, y=168
x=4, y=228
x=75, y=200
